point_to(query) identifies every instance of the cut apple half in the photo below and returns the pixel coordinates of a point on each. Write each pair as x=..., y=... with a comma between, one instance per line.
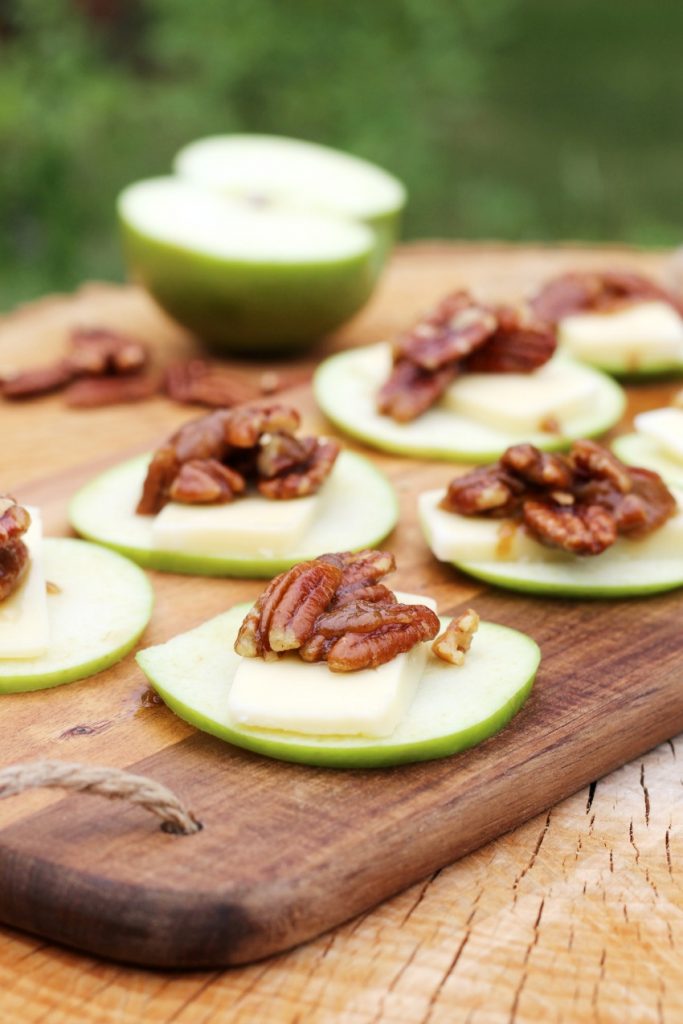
x=490, y=550
x=98, y=605
x=453, y=709
x=356, y=508
x=299, y=175
x=479, y=417
x=248, y=274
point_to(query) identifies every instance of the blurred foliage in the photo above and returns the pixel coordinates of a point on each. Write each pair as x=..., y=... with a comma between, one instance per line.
x=516, y=119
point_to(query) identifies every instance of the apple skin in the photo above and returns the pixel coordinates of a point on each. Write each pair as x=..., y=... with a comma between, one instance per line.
x=18, y=682
x=253, y=308
x=522, y=580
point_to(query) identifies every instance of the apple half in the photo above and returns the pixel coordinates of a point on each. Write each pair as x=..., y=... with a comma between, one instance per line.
x=627, y=569
x=251, y=273
x=454, y=708
x=358, y=510
x=98, y=607
x=346, y=386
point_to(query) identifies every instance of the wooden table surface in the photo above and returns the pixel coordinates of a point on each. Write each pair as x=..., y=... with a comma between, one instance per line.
x=576, y=916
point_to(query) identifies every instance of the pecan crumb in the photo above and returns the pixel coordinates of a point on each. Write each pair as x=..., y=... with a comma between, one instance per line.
x=580, y=503
x=334, y=609
x=52, y=588
x=454, y=643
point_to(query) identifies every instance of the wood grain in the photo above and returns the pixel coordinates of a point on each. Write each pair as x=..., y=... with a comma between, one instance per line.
x=542, y=898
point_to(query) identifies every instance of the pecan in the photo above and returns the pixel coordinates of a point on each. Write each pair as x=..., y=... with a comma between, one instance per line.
x=198, y=382
x=14, y=555
x=231, y=448
x=206, y=482
x=597, y=291
x=98, y=351
x=581, y=502
x=461, y=335
x=96, y=392
x=453, y=644
x=40, y=381
x=367, y=627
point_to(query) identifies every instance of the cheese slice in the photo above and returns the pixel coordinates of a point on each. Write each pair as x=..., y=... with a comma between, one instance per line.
x=291, y=695
x=24, y=624
x=665, y=427
x=640, y=335
x=253, y=526
x=542, y=400
x=456, y=538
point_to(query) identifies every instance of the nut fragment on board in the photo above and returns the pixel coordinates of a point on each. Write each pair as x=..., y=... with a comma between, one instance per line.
x=453, y=644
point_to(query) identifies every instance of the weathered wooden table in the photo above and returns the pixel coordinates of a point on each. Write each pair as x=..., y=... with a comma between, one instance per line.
x=576, y=916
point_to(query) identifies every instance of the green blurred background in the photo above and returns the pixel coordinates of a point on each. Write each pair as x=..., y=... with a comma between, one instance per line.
x=512, y=119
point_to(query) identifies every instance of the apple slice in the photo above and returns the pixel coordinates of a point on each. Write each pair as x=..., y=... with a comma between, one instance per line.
x=346, y=386
x=638, y=450
x=454, y=708
x=641, y=340
x=247, y=275
x=358, y=509
x=296, y=174
x=518, y=562
x=98, y=607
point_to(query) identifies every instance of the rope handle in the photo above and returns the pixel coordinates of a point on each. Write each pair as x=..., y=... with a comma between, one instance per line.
x=110, y=782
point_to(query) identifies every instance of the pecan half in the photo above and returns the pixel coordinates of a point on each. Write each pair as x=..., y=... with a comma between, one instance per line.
x=198, y=382
x=97, y=351
x=461, y=335
x=597, y=291
x=581, y=502
x=206, y=482
x=299, y=610
x=96, y=392
x=40, y=381
x=453, y=644
x=14, y=555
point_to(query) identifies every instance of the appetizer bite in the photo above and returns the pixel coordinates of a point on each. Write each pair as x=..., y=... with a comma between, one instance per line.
x=67, y=608
x=466, y=382
x=331, y=667
x=237, y=492
x=617, y=320
x=657, y=442
x=582, y=524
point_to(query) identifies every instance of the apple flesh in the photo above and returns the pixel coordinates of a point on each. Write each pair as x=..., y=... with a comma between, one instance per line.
x=346, y=387
x=358, y=510
x=454, y=708
x=100, y=608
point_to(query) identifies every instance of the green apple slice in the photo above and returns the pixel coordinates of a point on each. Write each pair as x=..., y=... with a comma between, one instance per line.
x=346, y=386
x=248, y=276
x=638, y=450
x=297, y=174
x=637, y=342
x=454, y=708
x=358, y=510
x=98, y=607
x=627, y=569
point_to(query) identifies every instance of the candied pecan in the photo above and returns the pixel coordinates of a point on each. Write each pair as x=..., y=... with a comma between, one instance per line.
x=486, y=490
x=198, y=382
x=96, y=392
x=161, y=473
x=579, y=529
x=39, y=381
x=597, y=463
x=453, y=330
x=409, y=391
x=206, y=482
x=536, y=467
x=98, y=351
x=14, y=555
x=307, y=479
x=246, y=424
x=355, y=651
x=453, y=644
x=520, y=343
x=597, y=291
x=281, y=453
x=14, y=519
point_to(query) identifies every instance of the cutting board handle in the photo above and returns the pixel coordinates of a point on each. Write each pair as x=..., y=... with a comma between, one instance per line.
x=103, y=781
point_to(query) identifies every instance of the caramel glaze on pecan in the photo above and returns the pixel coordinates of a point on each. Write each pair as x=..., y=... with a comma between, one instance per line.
x=461, y=335
x=213, y=459
x=14, y=555
x=581, y=502
x=334, y=609
x=593, y=291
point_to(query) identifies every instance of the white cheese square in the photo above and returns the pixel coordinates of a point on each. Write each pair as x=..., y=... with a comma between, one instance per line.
x=456, y=538
x=24, y=624
x=251, y=526
x=542, y=400
x=643, y=334
x=665, y=427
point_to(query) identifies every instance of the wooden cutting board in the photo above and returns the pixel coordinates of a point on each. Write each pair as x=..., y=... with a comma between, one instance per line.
x=288, y=851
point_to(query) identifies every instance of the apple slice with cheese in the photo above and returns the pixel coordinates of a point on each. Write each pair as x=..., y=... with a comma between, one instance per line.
x=355, y=508
x=97, y=605
x=413, y=708
x=502, y=552
x=480, y=415
x=656, y=444
x=643, y=338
